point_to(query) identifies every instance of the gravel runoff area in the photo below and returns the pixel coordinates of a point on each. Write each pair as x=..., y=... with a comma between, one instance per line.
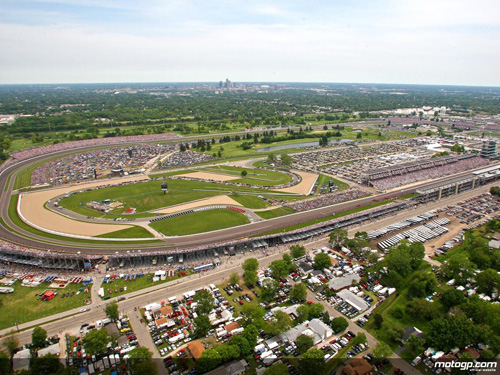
x=217, y=200
x=304, y=186
x=32, y=208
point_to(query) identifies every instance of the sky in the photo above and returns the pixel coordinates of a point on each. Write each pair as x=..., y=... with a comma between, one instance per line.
x=386, y=41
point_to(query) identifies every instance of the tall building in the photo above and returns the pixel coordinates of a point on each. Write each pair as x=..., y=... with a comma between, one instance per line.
x=489, y=150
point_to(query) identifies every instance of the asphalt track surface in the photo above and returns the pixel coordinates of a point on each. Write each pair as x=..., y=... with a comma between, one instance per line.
x=30, y=240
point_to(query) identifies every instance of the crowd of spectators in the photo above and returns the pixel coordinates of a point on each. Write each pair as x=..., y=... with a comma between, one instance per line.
x=354, y=171
x=79, y=167
x=316, y=159
x=429, y=173
x=86, y=143
x=183, y=159
x=325, y=200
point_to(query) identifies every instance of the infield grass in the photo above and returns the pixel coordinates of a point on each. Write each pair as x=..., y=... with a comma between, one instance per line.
x=148, y=196
x=199, y=222
x=254, y=176
x=277, y=212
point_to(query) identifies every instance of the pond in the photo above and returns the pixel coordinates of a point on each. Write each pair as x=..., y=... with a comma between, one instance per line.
x=303, y=144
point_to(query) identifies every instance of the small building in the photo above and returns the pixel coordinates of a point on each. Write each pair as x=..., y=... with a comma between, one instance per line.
x=344, y=281
x=357, y=366
x=232, y=327
x=54, y=349
x=305, y=267
x=196, y=348
x=320, y=328
x=353, y=300
x=412, y=331
x=237, y=367
x=21, y=360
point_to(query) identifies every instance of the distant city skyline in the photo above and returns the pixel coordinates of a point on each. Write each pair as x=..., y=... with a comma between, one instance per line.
x=395, y=42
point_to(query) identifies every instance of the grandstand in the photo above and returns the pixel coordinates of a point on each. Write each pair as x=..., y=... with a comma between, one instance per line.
x=394, y=176
x=135, y=258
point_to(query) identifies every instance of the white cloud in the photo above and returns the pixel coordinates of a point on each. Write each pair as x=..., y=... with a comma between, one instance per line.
x=399, y=42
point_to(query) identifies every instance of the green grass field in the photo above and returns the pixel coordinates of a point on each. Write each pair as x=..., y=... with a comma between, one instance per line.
x=23, y=305
x=199, y=222
x=254, y=176
x=148, y=196
x=277, y=212
x=134, y=232
x=250, y=201
x=139, y=283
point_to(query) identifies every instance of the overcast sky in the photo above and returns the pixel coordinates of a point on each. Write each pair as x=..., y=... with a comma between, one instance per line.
x=386, y=41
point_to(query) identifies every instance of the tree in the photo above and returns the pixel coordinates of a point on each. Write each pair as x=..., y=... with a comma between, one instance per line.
x=279, y=269
x=315, y=310
x=452, y=297
x=250, y=278
x=415, y=344
x=304, y=342
x=286, y=160
x=488, y=282
x=4, y=363
x=422, y=285
x=205, y=302
x=271, y=158
x=11, y=343
x=313, y=362
x=202, y=325
x=281, y=324
x=378, y=320
x=339, y=324
x=394, y=332
x=244, y=173
x=450, y=332
x=302, y=313
x=421, y=309
x=228, y=352
x=298, y=292
x=291, y=266
x=250, y=264
x=359, y=339
x=382, y=351
x=38, y=337
x=46, y=365
x=269, y=289
x=297, y=251
x=322, y=261
x=111, y=311
x=209, y=360
x=141, y=362
x=96, y=341
x=254, y=314
x=277, y=369
x=234, y=278
x=251, y=333
x=459, y=268
x=338, y=237
x=242, y=343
